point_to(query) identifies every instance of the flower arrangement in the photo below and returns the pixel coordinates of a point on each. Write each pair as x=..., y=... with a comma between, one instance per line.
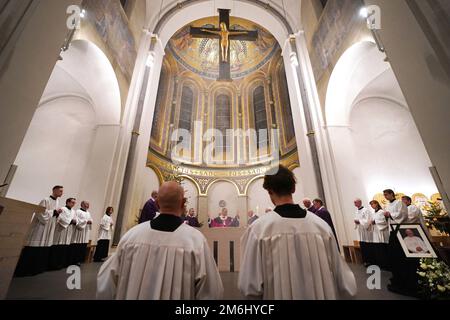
x=434, y=279
x=436, y=217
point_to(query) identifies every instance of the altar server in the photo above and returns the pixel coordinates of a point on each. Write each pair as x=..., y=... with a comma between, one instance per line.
x=82, y=233
x=380, y=235
x=404, y=271
x=35, y=255
x=363, y=223
x=104, y=236
x=162, y=260
x=66, y=221
x=291, y=254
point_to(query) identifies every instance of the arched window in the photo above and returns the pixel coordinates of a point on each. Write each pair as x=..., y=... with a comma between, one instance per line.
x=286, y=109
x=223, y=121
x=186, y=109
x=260, y=115
x=159, y=106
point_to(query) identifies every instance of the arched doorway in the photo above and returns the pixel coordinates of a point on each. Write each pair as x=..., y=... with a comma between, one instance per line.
x=374, y=140
x=73, y=134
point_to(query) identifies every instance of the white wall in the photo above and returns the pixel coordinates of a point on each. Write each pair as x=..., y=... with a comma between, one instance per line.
x=258, y=198
x=389, y=150
x=223, y=190
x=150, y=184
x=191, y=193
x=55, y=150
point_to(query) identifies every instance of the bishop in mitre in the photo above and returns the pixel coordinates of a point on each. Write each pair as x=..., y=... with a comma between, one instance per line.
x=164, y=259
x=291, y=254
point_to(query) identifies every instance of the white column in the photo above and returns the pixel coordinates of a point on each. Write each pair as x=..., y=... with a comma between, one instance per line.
x=327, y=165
x=98, y=172
x=306, y=172
x=139, y=159
x=121, y=154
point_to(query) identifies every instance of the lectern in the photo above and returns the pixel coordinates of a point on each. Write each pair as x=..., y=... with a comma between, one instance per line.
x=15, y=218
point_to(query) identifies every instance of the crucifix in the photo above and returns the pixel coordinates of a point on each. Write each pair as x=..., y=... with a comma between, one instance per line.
x=225, y=35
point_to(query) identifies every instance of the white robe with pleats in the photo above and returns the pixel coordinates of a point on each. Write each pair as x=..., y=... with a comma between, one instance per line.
x=293, y=259
x=82, y=232
x=64, y=229
x=41, y=229
x=156, y=265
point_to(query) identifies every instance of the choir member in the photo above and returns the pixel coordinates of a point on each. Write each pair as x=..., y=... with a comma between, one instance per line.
x=62, y=238
x=380, y=235
x=162, y=260
x=363, y=223
x=414, y=213
x=82, y=233
x=104, y=236
x=404, y=270
x=291, y=253
x=35, y=255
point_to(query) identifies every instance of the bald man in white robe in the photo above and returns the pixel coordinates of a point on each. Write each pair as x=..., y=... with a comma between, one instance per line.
x=163, y=259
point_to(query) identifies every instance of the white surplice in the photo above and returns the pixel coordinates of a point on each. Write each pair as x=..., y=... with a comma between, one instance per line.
x=398, y=210
x=64, y=229
x=82, y=232
x=156, y=265
x=41, y=229
x=293, y=259
x=415, y=215
x=381, y=229
x=105, y=228
x=365, y=227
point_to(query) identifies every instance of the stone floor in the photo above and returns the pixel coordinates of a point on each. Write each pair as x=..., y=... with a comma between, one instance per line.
x=52, y=285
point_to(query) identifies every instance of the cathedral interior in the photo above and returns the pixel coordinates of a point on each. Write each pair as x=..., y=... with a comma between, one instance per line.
x=112, y=98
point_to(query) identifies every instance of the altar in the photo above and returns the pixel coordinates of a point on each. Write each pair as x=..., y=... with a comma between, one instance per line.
x=225, y=244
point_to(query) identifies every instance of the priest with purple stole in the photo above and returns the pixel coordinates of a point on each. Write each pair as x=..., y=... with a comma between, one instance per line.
x=191, y=219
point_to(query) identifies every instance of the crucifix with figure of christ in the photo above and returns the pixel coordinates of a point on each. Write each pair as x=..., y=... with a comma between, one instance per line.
x=225, y=35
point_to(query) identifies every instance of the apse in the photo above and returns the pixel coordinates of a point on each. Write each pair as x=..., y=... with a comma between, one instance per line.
x=248, y=119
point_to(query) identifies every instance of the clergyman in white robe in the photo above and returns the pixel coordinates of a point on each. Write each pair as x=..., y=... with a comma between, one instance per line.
x=81, y=234
x=35, y=254
x=62, y=238
x=164, y=259
x=293, y=259
x=404, y=270
x=364, y=225
x=104, y=236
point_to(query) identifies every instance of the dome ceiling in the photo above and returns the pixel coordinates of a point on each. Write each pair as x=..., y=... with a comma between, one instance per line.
x=201, y=56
